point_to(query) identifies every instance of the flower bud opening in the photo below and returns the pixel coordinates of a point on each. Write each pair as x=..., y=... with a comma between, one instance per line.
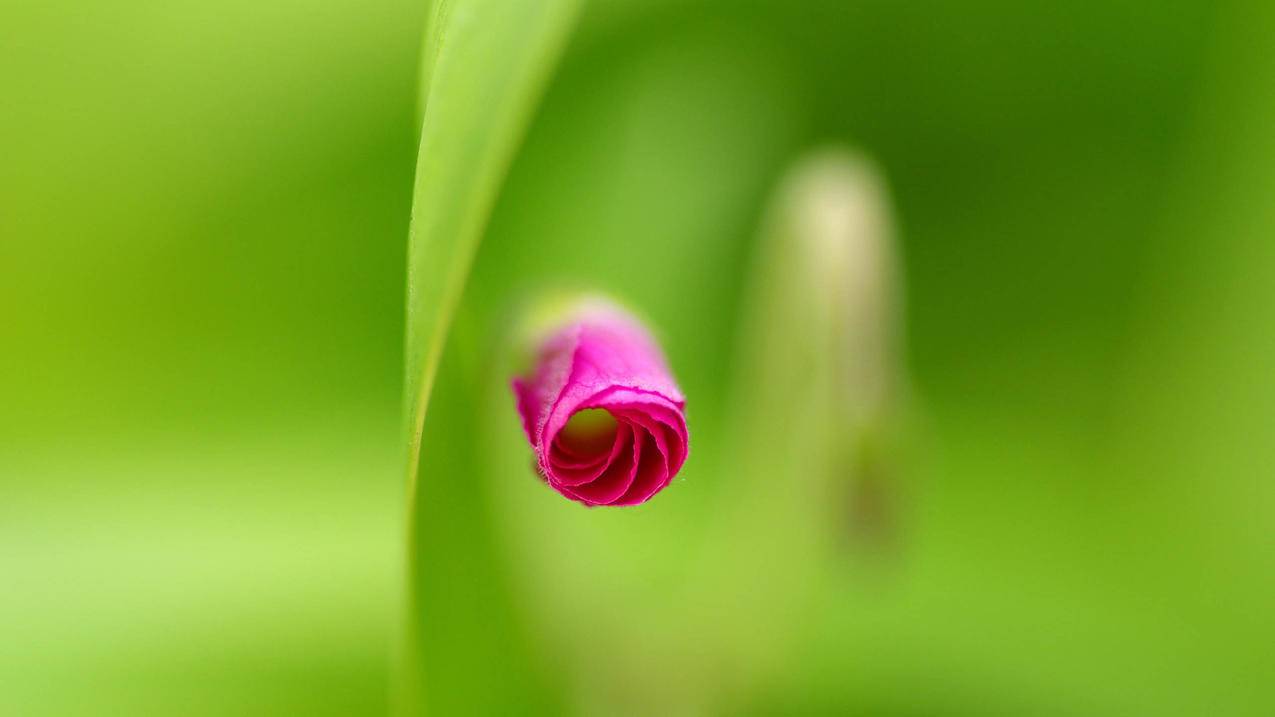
x=601, y=409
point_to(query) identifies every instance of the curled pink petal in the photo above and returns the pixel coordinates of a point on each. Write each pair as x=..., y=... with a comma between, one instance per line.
x=601, y=410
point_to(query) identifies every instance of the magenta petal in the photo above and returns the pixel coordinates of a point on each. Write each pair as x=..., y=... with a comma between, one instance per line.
x=526, y=398
x=567, y=474
x=614, y=481
x=665, y=424
x=603, y=358
x=651, y=476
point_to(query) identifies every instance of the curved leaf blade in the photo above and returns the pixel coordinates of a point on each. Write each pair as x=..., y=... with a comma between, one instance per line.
x=485, y=65
x=488, y=62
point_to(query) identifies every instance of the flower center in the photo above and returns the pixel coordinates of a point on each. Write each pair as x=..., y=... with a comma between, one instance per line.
x=589, y=432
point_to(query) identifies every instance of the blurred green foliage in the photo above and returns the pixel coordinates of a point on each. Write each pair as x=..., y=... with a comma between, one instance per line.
x=203, y=222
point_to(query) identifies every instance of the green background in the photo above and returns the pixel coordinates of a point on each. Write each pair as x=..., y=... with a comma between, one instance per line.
x=203, y=223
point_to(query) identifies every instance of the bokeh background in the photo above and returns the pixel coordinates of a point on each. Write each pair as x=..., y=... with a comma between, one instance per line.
x=203, y=227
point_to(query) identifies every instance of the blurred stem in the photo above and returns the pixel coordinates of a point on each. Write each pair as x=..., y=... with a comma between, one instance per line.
x=817, y=378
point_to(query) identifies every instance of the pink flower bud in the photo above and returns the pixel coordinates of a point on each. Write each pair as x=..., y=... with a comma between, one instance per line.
x=601, y=410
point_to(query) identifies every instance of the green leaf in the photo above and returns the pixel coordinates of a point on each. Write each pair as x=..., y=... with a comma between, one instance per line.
x=487, y=62
x=485, y=66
